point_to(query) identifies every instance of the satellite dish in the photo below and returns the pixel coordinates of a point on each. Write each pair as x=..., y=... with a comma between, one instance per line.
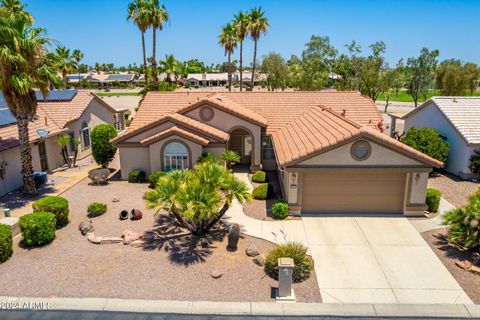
x=42, y=133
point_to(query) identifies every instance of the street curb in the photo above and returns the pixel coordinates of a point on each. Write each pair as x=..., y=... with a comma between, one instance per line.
x=242, y=308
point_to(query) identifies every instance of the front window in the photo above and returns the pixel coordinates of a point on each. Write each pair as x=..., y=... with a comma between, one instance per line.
x=267, y=149
x=85, y=136
x=175, y=157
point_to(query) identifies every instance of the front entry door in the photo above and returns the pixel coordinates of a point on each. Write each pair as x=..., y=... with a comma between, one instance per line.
x=42, y=150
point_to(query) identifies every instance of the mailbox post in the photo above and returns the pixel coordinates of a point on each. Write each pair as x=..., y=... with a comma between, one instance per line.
x=285, y=273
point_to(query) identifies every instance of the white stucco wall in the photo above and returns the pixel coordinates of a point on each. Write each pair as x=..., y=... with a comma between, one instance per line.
x=418, y=185
x=134, y=158
x=13, y=177
x=431, y=117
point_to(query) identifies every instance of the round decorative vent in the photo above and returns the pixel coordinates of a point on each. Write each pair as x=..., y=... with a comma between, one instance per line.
x=206, y=113
x=361, y=150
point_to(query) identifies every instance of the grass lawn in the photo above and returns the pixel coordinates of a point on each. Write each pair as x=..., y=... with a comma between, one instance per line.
x=115, y=94
x=403, y=96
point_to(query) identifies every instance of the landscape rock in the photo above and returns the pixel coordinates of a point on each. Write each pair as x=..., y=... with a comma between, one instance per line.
x=99, y=176
x=259, y=260
x=109, y=240
x=252, y=250
x=94, y=239
x=136, y=214
x=86, y=227
x=233, y=237
x=129, y=236
x=138, y=243
x=216, y=274
x=115, y=199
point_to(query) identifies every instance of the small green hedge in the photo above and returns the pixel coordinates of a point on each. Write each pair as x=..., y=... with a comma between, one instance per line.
x=259, y=177
x=6, y=243
x=37, y=228
x=263, y=191
x=153, y=178
x=433, y=199
x=295, y=250
x=136, y=176
x=56, y=205
x=96, y=209
x=280, y=210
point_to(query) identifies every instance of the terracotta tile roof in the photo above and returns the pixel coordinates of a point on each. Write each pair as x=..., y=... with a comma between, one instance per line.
x=321, y=128
x=180, y=120
x=278, y=108
x=175, y=131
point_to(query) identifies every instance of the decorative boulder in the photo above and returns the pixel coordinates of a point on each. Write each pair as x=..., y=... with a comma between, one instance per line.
x=216, y=274
x=86, y=227
x=233, y=237
x=129, y=236
x=259, y=260
x=115, y=199
x=252, y=250
x=136, y=214
x=99, y=176
x=123, y=215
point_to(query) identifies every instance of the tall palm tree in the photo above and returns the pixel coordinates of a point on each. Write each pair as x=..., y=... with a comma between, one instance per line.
x=257, y=25
x=170, y=66
x=241, y=21
x=65, y=63
x=157, y=16
x=22, y=68
x=138, y=13
x=77, y=55
x=229, y=40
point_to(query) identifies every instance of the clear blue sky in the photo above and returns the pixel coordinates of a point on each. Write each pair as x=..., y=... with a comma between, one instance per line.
x=100, y=30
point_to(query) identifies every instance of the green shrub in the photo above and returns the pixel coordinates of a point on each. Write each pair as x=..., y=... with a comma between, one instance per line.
x=6, y=243
x=153, y=178
x=102, y=150
x=427, y=141
x=259, y=177
x=433, y=199
x=465, y=223
x=475, y=162
x=280, y=210
x=136, y=176
x=207, y=157
x=56, y=205
x=295, y=250
x=37, y=228
x=263, y=191
x=96, y=209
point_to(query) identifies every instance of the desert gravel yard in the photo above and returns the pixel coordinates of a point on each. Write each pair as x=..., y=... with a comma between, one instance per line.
x=454, y=190
x=72, y=267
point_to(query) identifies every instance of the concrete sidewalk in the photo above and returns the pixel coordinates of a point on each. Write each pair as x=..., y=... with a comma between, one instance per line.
x=424, y=225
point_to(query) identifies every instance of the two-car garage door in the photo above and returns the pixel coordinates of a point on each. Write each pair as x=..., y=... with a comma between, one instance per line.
x=353, y=192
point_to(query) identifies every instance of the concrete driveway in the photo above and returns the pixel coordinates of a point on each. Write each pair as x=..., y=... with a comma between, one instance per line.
x=377, y=260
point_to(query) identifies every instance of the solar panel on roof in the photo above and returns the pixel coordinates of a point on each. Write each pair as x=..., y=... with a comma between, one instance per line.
x=75, y=77
x=57, y=95
x=119, y=77
x=6, y=117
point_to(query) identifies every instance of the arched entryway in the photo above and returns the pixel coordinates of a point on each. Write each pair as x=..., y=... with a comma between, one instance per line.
x=176, y=156
x=241, y=141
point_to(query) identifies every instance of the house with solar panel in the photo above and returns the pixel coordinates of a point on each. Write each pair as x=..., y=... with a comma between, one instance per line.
x=72, y=112
x=112, y=79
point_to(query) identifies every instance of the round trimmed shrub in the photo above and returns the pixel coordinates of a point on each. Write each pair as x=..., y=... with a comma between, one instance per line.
x=96, y=209
x=37, y=228
x=56, y=205
x=103, y=151
x=280, y=210
x=6, y=243
x=428, y=141
x=153, y=178
x=433, y=199
x=292, y=249
x=259, y=177
x=136, y=176
x=263, y=191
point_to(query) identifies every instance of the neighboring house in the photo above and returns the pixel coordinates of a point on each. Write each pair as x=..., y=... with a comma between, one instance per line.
x=326, y=146
x=221, y=79
x=63, y=112
x=458, y=120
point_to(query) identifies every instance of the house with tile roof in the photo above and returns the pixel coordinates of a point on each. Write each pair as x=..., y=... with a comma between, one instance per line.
x=458, y=120
x=72, y=112
x=327, y=147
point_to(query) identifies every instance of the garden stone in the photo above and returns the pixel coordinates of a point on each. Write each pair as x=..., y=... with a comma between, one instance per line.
x=233, y=237
x=259, y=260
x=252, y=250
x=136, y=214
x=129, y=236
x=115, y=199
x=99, y=176
x=138, y=243
x=216, y=274
x=108, y=240
x=86, y=227
x=93, y=239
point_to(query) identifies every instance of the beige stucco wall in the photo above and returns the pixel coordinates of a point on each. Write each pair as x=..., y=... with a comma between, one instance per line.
x=134, y=158
x=151, y=132
x=216, y=151
x=13, y=177
x=380, y=156
x=156, y=158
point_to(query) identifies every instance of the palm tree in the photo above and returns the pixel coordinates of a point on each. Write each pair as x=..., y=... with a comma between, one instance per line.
x=77, y=55
x=157, y=15
x=241, y=21
x=65, y=63
x=231, y=158
x=198, y=198
x=257, y=25
x=170, y=67
x=138, y=13
x=22, y=68
x=229, y=40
